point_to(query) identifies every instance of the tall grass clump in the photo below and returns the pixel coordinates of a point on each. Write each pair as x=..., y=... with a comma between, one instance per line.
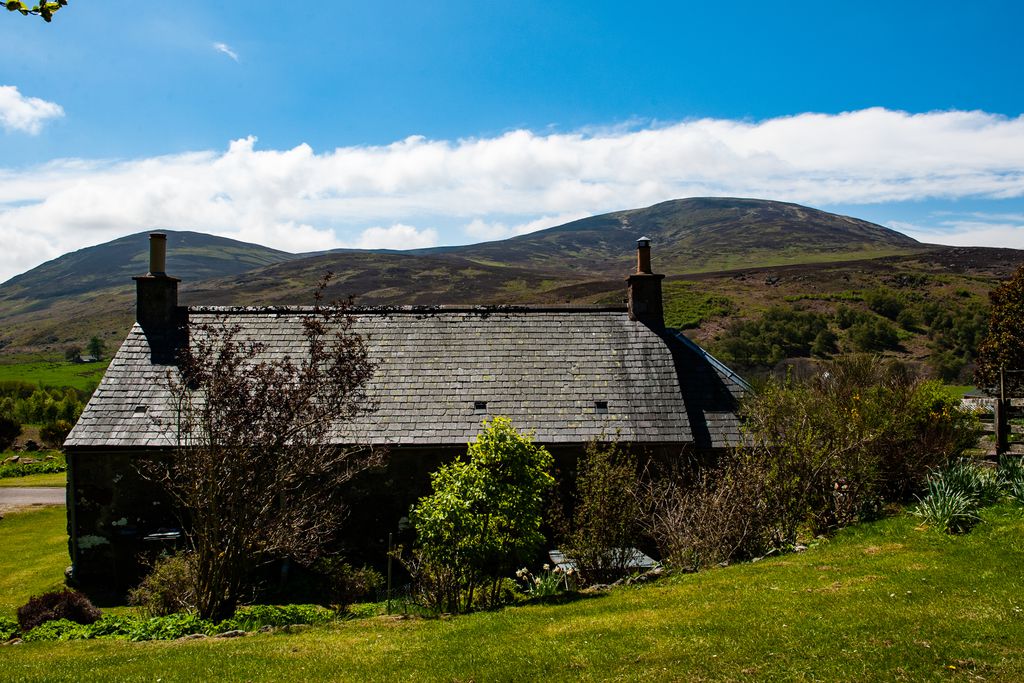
x=1011, y=478
x=947, y=507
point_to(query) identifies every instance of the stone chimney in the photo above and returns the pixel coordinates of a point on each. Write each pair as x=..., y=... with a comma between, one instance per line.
x=156, y=308
x=643, y=289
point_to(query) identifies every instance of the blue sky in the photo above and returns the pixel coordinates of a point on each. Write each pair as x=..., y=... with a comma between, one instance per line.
x=409, y=124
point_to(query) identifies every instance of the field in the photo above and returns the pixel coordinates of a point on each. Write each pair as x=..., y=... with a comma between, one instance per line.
x=884, y=601
x=55, y=373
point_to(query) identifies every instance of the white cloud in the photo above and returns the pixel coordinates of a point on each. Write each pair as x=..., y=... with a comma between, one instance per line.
x=398, y=236
x=25, y=114
x=224, y=48
x=994, y=230
x=297, y=200
x=482, y=230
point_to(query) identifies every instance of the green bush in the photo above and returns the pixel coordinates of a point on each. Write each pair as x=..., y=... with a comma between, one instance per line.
x=601, y=531
x=482, y=520
x=54, y=433
x=873, y=334
x=885, y=302
x=340, y=584
x=172, y=626
x=8, y=628
x=779, y=334
x=10, y=429
x=170, y=587
x=255, y=617
x=24, y=469
x=861, y=433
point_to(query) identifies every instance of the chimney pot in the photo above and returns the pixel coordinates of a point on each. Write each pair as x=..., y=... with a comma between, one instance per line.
x=156, y=307
x=643, y=255
x=643, y=289
x=157, y=253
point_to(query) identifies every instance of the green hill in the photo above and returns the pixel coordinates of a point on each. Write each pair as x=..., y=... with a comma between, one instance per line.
x=752, y=252
x=695, y=235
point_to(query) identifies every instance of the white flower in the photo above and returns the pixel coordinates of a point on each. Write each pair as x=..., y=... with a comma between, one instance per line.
x=547, y=567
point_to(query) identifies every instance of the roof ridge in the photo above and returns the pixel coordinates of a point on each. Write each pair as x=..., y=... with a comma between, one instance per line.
x=419, y=310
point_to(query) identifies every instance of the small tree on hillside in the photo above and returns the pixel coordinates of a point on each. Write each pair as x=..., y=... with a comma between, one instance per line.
x=483, y=519
x=1003, y=346
x=97, y=348
x=255, y=473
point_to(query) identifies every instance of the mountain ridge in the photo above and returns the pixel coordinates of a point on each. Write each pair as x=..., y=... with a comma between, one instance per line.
x=64, y=302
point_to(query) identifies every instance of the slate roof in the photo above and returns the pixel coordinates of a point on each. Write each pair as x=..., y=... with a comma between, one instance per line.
x=545, y=368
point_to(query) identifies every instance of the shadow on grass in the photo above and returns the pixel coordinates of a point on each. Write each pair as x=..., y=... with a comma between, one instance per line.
x=563, y=598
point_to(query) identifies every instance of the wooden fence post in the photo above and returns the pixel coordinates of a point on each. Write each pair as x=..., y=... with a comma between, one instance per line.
x=1002, y=427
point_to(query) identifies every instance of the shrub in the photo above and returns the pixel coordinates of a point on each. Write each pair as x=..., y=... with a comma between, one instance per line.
x=169, y=587
x=65, y=604
x=946, y=507
x=10, y=429
x=8, y=628
x=24, y=469
x=715, y=515
x=172, y=626
x=482, y=520
x=873, y=334
x=780, y=333
x=54, y=433
x=606, y=518
x=255, y=617
x=820, y=454
x=342, y=584
x=885, y=303
x=57, y=629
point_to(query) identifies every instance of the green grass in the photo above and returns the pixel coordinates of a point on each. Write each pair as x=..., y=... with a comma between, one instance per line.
x=686, y=308
x=885, y=601
x=56, y=373
x=33, y=555
x=55, y=479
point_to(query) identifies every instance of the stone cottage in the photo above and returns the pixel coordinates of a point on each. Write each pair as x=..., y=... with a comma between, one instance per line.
x=568, y=373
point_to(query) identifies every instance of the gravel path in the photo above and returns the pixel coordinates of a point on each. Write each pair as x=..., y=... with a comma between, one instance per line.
x=12, y=498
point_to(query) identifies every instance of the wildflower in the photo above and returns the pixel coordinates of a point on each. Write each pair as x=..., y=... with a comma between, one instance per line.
x=547, y=567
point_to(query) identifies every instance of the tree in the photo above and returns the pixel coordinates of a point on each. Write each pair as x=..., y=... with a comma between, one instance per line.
x=1003, y=346
x=605, y=523
x=97, y=348
x=255, y=474
x=10, y=429
x=483, y=519
x=43, y=9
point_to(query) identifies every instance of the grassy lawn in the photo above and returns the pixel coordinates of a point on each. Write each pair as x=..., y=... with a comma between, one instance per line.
x=56, y=373
x=33, y=555
x=885, y=601
x=55, y=479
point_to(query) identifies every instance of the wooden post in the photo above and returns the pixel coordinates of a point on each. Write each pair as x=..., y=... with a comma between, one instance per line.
x=1002, y=427
x=389, y=570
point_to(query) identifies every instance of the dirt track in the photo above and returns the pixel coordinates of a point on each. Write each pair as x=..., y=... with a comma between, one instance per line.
x=14, y=498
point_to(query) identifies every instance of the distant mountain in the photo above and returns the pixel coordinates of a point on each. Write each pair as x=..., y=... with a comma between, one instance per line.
x=90, y=291
x=695, y=235
x=190, y=256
